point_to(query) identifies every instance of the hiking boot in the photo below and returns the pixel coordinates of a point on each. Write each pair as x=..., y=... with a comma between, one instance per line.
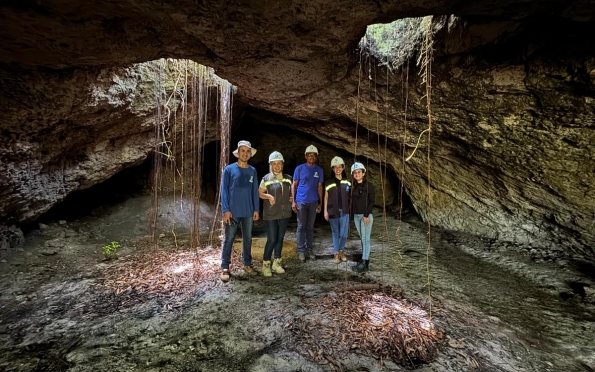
x=277, y=269
x=311, y=255
x=266, y=268
x=342, y=256
x=302, y=256
x=362, y=266
x=250, y=270
x=337, y=258
x=225, y=275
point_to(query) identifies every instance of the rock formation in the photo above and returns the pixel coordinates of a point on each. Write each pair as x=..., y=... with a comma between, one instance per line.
x=512, y=136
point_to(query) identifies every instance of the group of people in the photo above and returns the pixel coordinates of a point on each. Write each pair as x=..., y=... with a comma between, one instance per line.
x=302, y=194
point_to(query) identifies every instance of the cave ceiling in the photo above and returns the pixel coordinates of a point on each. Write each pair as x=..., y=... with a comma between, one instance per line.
x=512, y=100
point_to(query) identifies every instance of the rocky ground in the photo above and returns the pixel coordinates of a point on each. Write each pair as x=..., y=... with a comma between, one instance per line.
x=63, y=306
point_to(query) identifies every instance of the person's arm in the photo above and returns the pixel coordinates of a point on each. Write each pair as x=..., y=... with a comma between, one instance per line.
x=294, y=186
x=371, y=199
x=369, y=203
x=262, y=192
x=225, y=209
x=325, y=205
x=255, y=202
x=319, y=208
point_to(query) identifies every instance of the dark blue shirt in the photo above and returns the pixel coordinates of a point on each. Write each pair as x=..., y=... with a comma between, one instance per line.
x=239, y=191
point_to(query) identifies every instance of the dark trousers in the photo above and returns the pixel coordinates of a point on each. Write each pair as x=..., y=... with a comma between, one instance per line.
x=275, y=234
x=306, y=215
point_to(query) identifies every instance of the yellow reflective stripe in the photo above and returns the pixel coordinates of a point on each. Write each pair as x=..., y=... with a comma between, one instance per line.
x=346, y=183
x=268, y=183
x=330, y=186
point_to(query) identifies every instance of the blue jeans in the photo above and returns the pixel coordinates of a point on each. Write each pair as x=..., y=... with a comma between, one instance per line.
x=306, y=215
x=275, y=234
x=339, y=228
x=230, y=234
x=364, y=232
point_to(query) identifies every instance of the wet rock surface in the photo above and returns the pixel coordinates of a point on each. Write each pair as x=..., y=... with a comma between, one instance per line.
x=500, y=310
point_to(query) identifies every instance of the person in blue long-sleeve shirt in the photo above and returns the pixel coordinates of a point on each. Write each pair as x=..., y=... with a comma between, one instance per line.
x=239, y=205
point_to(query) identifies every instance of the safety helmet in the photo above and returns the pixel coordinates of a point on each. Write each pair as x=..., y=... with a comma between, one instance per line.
x=337, y=161
x=275, y=156
x=357, y=166
x=311, y=148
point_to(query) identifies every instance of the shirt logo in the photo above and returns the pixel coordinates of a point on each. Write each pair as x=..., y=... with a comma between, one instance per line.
x=316, y=175
x=251, y=179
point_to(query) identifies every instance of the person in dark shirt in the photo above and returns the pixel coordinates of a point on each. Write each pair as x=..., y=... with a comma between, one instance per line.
x=336, y=207
x=275, y=190
x=362, y=202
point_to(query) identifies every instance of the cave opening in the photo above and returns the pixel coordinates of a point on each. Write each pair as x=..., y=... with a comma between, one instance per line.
x=137, y=180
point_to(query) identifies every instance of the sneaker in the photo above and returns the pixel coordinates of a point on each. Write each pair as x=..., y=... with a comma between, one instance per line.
x=277, y=268
x=266, y=268
x=224, y=275
x=337, y=259
x=250, y=270
x=342, y=256
x=302, y=256
x=311, y=255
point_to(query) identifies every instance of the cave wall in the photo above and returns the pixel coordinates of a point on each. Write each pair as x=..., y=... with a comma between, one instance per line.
x=67, y=130
x=512, y=140
x=512, y=100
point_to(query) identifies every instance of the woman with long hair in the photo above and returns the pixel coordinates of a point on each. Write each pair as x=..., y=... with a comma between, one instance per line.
x=362, y=202
x=275, y=190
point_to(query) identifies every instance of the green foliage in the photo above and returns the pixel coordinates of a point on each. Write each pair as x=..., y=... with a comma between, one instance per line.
x=394, y=43
x=111, y=250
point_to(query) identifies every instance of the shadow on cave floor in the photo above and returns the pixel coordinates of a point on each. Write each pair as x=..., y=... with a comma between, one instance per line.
x=64, y=307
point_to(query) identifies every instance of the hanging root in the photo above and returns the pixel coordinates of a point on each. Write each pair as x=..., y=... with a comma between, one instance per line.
x=417, y=145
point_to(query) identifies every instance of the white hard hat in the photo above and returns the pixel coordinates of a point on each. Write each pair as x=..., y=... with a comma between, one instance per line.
x=311, y=148
x=357, y=166
x=337, y=161
x=275, y=156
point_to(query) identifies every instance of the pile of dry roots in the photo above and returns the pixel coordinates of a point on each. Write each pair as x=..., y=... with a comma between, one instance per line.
x=372, y=323
x=170, y=276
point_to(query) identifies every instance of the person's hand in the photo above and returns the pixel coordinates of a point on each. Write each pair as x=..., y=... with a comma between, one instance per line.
x=294, y=207
x=326, y=215
x=319, y=208
x=272, y=199
x=366, y=220
x=256, y=216
x=227, y=217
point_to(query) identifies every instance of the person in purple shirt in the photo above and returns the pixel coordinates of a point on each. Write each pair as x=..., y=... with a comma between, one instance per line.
x=239, y=205
x=306, y=190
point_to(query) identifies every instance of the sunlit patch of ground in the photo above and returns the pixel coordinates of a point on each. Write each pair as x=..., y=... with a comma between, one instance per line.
x=378, y=324
x=171, y=276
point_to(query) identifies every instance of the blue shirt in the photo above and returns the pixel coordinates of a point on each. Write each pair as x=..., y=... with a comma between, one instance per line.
x=239, y=191
x=308, y=177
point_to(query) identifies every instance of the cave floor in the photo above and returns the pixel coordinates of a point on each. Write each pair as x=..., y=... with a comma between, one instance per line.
x=64, y=307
